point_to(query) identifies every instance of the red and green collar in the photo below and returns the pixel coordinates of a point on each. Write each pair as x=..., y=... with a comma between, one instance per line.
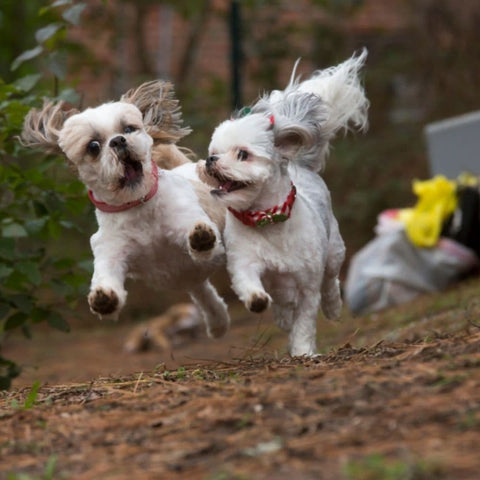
x=275, y=214
x=105, y=207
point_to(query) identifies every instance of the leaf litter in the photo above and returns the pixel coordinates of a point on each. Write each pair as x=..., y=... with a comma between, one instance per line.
x=367, y=408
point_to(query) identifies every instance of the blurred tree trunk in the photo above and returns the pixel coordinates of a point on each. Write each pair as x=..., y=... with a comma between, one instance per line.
x=145, y=64
x=198, y=19
x=190, y=54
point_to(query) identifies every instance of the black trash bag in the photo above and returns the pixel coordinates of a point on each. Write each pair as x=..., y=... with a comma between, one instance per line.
x=463, y=226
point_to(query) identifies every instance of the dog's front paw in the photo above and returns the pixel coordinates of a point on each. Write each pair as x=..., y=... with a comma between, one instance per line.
x=202, y=238
x=103, y=302
x=258, y=302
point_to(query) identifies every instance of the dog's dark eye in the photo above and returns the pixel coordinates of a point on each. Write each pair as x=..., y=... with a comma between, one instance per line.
x=129, y=129
x=93, y=148
x=242, y=155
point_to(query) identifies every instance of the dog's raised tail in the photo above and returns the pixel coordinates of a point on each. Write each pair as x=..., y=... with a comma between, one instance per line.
x=330, y=101
x=341, y=89
x=308, y=114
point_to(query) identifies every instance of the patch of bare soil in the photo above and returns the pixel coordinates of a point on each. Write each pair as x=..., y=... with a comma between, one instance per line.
x=398, y=398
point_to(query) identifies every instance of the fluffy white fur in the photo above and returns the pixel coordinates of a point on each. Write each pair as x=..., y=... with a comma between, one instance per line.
x=169, y=241
x=293, y=265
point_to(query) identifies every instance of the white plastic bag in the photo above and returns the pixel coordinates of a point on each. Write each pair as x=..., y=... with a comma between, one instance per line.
x=390, y=270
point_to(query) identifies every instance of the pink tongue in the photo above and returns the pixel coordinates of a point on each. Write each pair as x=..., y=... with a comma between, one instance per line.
x=227, y=186
x=130, y=173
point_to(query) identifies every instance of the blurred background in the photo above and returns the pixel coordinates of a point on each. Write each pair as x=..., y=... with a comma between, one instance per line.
x=423, y=66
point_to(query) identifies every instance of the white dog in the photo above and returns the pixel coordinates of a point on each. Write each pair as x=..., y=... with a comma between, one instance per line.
x=281, y=236
x=151, y=224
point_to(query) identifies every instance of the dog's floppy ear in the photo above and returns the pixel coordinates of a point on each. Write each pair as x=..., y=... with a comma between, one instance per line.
x=41, y=128
x=162, y=116
x=289, y=139
x=296, y=123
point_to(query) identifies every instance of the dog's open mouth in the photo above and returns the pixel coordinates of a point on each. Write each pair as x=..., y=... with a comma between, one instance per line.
x=132, y=168
x=133, y=172
x=226, y=185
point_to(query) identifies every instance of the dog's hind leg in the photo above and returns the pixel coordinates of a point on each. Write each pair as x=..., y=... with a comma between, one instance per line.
x=213, y=308
x=303, y=334
x=285, y=294
x=284, y=316
x=330, y=290
x=331, y=297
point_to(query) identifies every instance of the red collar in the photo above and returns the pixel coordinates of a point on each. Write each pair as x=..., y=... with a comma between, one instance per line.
x=105, y=207
x=276, y=214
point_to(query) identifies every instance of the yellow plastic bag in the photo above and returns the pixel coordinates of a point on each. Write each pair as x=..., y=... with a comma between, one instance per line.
x=437, y=200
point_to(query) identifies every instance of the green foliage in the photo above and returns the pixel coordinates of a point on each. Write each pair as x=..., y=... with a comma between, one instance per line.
x=376, y=467
x=225, y=475
x=39, y=281
x=9, y=370
x=180, y=374
x=48, y=474
x=52, y=42
x=379, y=467
x=32, y=396
x=30, y=400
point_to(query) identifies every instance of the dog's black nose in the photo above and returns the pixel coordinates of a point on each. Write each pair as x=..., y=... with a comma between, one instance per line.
x=211, y=159
x=118, y=141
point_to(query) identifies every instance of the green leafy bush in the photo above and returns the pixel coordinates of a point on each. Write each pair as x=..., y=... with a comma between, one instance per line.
x=41, y=276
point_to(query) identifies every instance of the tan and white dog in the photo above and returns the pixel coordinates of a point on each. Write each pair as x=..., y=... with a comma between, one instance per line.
x=282, y=240
x=151, y=223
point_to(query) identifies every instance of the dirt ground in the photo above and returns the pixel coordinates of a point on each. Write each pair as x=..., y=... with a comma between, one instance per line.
x=394, y=395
